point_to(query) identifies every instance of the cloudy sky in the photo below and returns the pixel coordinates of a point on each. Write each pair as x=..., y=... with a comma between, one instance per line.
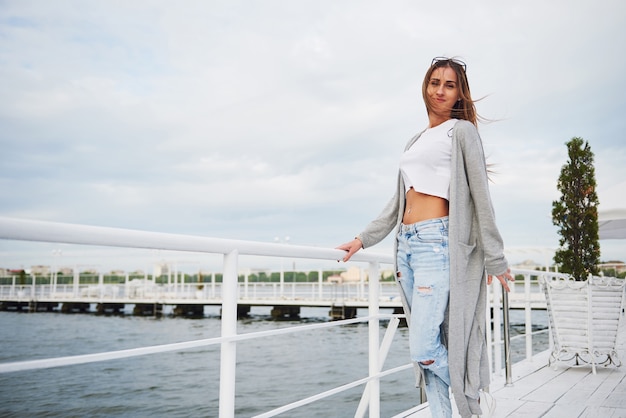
x=261, y=119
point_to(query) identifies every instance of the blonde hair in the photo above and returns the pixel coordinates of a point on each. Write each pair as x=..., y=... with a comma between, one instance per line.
x=463, y=108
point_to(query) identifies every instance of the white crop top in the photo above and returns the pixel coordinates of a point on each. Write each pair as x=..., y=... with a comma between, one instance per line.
x=425, y=166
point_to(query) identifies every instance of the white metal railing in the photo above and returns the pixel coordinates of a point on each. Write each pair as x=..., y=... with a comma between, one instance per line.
x=315, y=293
x=211, y=292
x=18, y=229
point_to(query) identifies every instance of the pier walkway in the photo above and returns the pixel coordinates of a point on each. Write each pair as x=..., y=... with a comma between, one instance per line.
x=540, y=390
x=185, y=299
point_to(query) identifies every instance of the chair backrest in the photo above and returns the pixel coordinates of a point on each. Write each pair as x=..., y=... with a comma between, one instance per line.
x=584, y=315
x=568, y=310
x=607, y=301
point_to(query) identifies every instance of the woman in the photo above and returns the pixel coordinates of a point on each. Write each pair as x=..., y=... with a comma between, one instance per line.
x=446, y=240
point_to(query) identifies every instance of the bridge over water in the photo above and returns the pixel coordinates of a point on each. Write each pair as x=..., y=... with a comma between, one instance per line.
x=148, y=298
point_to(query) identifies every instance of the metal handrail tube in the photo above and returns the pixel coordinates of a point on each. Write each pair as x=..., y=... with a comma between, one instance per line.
x=44, y=231
x=334, y=391
x=507, y=337
x=19, y=366
x=519, y=337
x=497, y=325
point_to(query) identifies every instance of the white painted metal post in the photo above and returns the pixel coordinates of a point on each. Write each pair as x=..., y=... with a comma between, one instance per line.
x=293, y=290
x=507, y=337
x=294, y=281
x=175, y=282
x=361, y=286
x=320, y=280
x=228, y=359
x=374, y=341
x=282, y=278
x=52, y=280
x=75, y=281
x=528, y=319
x=497, y=332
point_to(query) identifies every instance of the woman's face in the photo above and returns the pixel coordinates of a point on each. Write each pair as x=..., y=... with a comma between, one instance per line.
x=443, y=91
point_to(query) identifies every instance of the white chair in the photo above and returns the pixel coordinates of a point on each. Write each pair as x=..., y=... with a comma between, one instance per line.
x=584, y=319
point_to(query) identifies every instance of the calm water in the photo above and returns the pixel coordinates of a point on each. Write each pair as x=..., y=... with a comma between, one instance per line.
x=271, y=371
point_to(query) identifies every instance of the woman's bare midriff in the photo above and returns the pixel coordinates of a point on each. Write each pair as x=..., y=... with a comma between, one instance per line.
x=421, y=207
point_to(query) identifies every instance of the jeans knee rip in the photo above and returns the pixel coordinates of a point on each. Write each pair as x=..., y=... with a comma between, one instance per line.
x=425, y=290
x=426, y=364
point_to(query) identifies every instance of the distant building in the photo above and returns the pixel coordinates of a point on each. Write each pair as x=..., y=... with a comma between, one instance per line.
x=618, y=266
x=528, y=265
x=65, y=271
x=161, y=269
x=353, y=275
x=40, y=270
x=335, y=278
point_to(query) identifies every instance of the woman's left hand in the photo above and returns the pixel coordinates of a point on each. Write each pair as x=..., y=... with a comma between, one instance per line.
x=503, y=279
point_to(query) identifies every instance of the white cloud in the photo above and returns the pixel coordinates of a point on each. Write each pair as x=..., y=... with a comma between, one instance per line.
x=255, y=119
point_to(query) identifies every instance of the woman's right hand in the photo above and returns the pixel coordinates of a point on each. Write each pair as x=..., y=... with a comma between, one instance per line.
x=351, y=248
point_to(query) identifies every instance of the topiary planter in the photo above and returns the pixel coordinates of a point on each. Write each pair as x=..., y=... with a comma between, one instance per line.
x=584, y=319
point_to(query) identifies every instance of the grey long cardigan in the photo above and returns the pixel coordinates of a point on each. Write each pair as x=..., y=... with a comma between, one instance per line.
x=475, y=248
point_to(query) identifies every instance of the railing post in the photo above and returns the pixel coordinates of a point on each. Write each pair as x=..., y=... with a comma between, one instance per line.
x=374, y=341
x=507, y=338
x=320, y=282
x=101, y=285
x=528, y=327
x=497, y=333
x=75, y=282
x=228, y=359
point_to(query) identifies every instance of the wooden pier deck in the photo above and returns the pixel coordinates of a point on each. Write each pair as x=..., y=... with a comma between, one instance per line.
x=539, y=390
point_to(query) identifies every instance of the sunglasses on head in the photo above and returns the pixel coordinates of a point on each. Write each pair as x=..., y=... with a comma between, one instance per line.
x=439, y=61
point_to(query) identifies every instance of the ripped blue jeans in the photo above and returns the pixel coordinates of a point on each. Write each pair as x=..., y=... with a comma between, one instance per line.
x=423, y=264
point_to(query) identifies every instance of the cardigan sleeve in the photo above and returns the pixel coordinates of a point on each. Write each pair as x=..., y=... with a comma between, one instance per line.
x=477, y=177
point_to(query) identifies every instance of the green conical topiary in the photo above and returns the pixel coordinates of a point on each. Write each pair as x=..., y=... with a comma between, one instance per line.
x=576, y=213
